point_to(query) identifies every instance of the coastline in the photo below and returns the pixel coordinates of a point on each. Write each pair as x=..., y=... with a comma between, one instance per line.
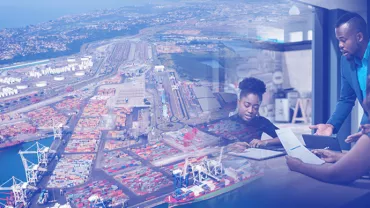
x=29, y=138
x=74, y=47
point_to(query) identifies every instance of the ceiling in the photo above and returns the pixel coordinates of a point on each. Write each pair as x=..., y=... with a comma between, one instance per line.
x=359, y=6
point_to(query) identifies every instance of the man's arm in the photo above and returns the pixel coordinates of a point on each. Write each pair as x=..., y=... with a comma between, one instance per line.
x=350, y=167
x=345, y=103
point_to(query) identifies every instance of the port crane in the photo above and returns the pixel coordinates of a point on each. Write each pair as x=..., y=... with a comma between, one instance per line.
x=208, y=169
x=215, y=167
x=181, y=177
x=5, y=206
x=57, y=130
x=199, y=172
x=96, y=201
x=32, y=169
x=41, y=151
x=19, y=190
x=185, y=174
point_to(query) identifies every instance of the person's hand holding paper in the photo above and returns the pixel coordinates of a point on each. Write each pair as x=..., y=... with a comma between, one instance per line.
x=295, y=148
x=328, y=155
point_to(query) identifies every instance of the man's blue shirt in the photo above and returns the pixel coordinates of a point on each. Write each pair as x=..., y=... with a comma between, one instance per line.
x=362, y=70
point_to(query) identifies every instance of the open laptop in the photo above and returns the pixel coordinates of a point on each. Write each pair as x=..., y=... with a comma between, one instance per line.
x=321, y=142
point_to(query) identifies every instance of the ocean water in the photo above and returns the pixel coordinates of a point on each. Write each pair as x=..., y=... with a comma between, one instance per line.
x=20, y=13
x=11, y=163
x=212, y=63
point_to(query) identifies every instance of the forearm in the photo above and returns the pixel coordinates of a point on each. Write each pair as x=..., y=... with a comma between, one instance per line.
x=326, y=172
x=348, y=168
x=339, y=156
x=342, y=110
x=271, y=142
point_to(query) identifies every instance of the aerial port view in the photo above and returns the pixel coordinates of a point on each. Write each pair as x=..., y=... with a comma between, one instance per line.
x=136, y=118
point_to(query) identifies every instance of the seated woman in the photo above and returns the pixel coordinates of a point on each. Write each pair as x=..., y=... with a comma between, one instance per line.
x=249, y=102
x=339, y=167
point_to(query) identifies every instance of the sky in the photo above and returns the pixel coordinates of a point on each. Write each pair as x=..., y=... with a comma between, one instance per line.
x=19, y=13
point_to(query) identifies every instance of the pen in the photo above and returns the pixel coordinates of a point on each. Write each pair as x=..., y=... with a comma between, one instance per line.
x=295, y=147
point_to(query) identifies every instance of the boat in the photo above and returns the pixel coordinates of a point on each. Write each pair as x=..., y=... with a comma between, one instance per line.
x=10, y=144
x=210, y=179
x=189, y=196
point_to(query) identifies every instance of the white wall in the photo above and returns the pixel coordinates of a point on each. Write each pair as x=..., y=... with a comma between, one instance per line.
x=297, y=65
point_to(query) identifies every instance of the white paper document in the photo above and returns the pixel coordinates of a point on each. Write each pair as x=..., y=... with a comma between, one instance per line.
x=257, y=154
x=295, y=148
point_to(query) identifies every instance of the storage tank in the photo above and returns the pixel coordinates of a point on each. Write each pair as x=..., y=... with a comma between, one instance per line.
x=41, y=84
x=80, y=73
x=21, y=87
x=59, y=78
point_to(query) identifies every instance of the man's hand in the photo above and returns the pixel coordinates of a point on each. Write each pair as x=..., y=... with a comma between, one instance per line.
x=328, y=155
x=255, y=143
x=293, y=163
x=354, y=137
x=364, y=129
x=323, y=129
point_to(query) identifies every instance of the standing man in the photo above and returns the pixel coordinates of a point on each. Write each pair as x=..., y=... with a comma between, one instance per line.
x=351, y=32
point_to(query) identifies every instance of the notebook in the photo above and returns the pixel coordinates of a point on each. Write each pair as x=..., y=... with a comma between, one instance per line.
x=258, y=154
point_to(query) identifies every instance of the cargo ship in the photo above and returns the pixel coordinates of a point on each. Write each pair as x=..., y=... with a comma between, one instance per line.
x=202, y=192
x=210, y=179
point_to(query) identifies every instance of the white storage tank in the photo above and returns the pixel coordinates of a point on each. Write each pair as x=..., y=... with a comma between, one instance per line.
x=21, y=87
x=41, y=84
x=59, y=78
x=80, y=73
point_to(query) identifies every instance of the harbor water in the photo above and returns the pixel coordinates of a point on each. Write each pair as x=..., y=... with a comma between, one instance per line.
x=11, y=163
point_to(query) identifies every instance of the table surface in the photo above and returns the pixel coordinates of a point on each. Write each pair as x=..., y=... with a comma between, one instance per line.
x=280, y=187
x=284, y=188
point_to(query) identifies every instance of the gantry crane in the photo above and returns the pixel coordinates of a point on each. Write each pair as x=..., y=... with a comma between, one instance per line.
x=41, y=151
x=181, y=177
x=32, y=169
x=57, y=130
x=96, y=201
x=19, y=190
x=215, y=167
x=199, y=172
x=185, y=174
